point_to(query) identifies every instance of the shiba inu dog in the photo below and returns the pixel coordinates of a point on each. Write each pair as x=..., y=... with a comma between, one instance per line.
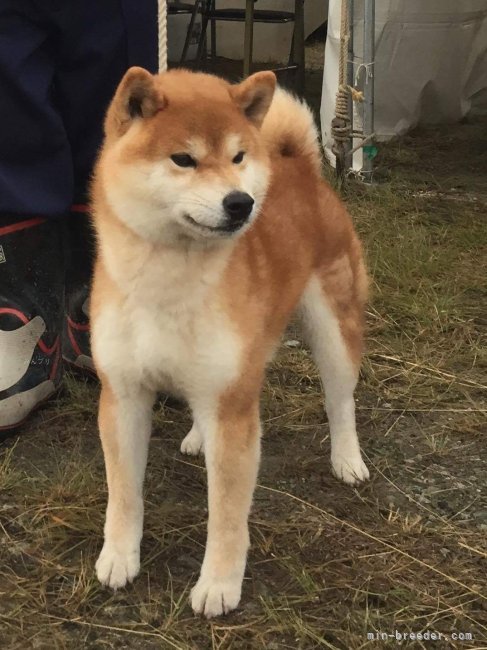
x=214, y=225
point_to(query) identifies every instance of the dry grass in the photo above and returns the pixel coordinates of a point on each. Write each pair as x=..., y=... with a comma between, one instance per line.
x=329, y=564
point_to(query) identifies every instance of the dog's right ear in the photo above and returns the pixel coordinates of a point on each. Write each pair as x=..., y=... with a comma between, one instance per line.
x=136, y=98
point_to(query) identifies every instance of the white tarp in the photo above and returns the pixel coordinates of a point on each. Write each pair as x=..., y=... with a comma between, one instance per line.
x=430, y=62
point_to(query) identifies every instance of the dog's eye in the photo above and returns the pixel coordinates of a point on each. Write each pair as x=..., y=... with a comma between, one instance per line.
x=183, y=160
x=239, y=157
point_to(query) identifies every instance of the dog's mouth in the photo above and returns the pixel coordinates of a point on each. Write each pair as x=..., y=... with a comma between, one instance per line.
x=221, y=230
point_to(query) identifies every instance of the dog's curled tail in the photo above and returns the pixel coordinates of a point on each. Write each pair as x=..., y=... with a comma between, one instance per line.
x=289, y=129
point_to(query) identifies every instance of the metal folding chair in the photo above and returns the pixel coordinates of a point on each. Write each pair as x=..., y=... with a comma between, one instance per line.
x=250, y=15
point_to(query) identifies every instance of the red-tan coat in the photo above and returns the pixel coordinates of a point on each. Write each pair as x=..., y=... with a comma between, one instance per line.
x=214, y=226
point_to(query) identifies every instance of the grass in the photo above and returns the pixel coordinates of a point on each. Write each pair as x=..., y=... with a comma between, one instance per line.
x=329, y=564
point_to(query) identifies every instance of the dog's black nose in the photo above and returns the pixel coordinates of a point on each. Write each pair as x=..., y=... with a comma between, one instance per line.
x=238, y=206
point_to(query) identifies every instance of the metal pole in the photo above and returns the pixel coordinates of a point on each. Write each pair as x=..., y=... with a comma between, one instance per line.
x=298, y=45
x=350, y=82
x=369, y=57
x=248, y=37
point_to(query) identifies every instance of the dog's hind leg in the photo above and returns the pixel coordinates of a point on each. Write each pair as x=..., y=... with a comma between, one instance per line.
x=333, y=322
x=232, y=451
x=125, y=425
x=193, y=442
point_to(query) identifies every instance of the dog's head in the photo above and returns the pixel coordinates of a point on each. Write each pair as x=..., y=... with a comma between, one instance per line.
x=182, y=158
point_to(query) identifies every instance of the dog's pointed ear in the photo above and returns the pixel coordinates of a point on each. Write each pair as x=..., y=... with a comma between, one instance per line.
x=254, y=95
x=136, y=97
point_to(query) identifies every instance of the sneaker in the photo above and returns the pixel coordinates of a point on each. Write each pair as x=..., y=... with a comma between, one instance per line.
x=79, y=267
x=31, y=315
x=76, y=335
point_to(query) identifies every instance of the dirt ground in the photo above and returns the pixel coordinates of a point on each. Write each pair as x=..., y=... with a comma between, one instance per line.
x=329, y=565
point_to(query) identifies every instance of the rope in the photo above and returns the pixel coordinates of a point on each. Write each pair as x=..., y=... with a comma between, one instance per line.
x=341, y=125
x=162, y=33
x=344, y=37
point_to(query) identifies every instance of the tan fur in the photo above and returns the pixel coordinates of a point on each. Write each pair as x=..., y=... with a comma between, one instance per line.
x=201, y=315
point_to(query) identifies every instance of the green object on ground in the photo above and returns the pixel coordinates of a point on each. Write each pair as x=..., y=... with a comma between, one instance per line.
x=370, y=151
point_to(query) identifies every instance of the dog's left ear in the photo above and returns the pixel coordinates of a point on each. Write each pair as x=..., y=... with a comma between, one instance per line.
x=254, y=95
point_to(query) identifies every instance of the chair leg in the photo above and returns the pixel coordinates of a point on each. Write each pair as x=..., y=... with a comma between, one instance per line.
x=213, y=34
x=189, y=33
x=213, y=39
x=291, y=61
x=298, y=45
x=248, y=37
x=204, y=26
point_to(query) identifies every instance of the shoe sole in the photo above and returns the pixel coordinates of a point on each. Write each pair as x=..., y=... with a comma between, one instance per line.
x=13, y=428
x=80, y=369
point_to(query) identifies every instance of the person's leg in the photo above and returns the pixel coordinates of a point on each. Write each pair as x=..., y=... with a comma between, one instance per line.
x=36, y=175
x=98, y=42
x=59, y=66
x=35, y=190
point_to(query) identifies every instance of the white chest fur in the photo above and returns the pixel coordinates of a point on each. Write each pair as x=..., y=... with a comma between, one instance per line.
x=171, y=332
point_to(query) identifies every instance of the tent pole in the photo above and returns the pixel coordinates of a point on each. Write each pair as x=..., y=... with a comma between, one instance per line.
x=369, y=56
x=350, y=83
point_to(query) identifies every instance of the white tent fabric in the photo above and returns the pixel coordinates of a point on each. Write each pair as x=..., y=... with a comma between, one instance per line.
x=431, y=63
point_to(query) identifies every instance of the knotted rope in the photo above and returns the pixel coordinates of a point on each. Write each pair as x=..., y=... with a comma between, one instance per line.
x=341, y=125
x=162, y=33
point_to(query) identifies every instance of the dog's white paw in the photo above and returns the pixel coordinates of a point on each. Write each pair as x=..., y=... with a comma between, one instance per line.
x=351, y=469
x=215, y=597
x=114, y=569
x=193, y=443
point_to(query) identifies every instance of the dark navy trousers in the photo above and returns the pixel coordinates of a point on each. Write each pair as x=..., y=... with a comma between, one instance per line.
x=60, y=63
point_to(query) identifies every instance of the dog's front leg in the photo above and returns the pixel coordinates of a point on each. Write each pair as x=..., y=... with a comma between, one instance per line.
x=232, y=452
x=125, y=424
